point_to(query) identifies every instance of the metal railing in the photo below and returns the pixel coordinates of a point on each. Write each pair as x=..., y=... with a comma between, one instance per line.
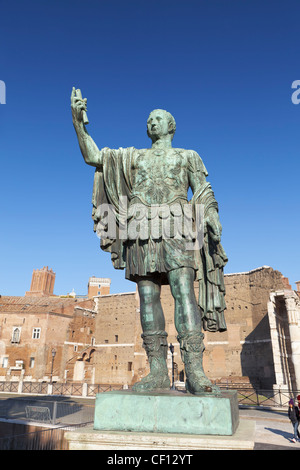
x=74, y=389
x=35, y=387
x=93, y=389
x=248, y=395
x=58, y=388
x=9, y=387
x=42, y=439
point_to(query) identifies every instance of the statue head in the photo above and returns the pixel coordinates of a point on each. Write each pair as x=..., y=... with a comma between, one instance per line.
x=160, y=123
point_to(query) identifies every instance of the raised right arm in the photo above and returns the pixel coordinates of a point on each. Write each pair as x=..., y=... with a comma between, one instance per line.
x=89, y=150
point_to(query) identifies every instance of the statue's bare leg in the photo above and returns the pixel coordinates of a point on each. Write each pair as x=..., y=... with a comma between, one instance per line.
x=188, y=325
x=187, y=314
x=151, y=312
x=154, y=336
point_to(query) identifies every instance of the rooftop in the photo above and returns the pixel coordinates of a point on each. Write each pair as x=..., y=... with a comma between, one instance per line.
x=14, y=304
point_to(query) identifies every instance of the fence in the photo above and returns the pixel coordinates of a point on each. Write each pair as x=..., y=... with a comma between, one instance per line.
x=57, y=388
x=9, y=387
x=83, y=390
x=250, y=396
x=45, y=439
x=266, y=398
x=247, y=394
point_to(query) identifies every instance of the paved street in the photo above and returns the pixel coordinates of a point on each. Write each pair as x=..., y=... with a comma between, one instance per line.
x=273, y=430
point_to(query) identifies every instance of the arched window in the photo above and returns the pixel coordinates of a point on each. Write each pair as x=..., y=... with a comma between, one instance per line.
x=16, y=335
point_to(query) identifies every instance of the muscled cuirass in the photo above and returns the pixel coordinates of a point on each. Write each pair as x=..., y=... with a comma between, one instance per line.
x=159, y=176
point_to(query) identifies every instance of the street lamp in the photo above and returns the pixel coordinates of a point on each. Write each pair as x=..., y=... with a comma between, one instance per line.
x=53, y=356
x=172, y=352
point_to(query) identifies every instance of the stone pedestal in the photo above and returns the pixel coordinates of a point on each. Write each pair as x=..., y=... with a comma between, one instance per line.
x=89, y=439
x=167, y=412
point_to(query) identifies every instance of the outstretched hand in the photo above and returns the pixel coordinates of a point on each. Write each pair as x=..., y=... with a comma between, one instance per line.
x=78, y=106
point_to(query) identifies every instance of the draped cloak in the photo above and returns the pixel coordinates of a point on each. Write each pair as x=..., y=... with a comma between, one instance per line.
x=113, y=178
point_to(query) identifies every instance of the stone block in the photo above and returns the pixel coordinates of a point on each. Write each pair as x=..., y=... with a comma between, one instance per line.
x=167, y=412
x=89, y=439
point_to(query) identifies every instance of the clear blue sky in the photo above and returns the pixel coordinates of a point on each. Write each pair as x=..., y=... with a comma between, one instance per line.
x=224, y=69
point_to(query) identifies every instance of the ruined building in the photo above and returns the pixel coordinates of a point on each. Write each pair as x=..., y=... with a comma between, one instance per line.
x=97, y=338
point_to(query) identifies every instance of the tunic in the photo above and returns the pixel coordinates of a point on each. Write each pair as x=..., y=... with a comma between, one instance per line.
x=155, y=222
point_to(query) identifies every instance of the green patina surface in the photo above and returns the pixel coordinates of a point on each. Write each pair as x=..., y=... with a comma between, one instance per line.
x=167, y=412
x=161, y=249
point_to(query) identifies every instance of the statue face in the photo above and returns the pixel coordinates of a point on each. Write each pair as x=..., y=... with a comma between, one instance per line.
x=157, y=124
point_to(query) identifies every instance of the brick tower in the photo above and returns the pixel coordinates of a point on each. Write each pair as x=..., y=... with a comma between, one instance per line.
x=98, y=286
x=42, y=282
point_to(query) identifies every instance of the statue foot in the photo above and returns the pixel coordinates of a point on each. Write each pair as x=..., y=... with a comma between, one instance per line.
x=200, y=384
x=156, y=347
x=152, y=383
x=191, y=348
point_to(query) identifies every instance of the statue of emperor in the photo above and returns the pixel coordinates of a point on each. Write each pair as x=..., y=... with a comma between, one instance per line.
x=147, y=188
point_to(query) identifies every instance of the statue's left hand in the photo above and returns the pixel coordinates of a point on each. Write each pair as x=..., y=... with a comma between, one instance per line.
x=214, y=226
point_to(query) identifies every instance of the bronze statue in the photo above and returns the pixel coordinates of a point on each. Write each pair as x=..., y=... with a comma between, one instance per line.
x=151, y=180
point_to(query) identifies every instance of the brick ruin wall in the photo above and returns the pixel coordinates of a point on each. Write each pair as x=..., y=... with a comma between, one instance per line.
x=99, y=341
x=244, y=350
